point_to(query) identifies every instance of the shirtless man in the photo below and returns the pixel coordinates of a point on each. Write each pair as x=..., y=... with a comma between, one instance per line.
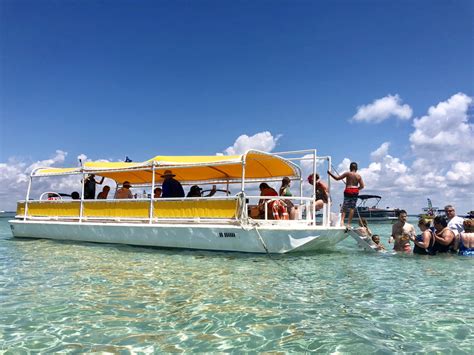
x=401, y=233
x=354, y=184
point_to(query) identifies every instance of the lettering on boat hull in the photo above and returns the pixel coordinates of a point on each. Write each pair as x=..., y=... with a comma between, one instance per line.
x=226, y=235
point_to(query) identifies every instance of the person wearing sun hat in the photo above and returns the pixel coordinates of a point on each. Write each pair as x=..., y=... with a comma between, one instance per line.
x=124, y=191
x=171, y=187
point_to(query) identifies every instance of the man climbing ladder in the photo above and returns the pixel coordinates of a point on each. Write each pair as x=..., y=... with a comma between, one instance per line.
x=354, y=184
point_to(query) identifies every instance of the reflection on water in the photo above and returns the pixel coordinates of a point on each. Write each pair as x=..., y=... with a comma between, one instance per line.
x=69, y=297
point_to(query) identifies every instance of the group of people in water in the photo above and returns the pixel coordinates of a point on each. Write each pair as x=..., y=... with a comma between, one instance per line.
x=442, y=234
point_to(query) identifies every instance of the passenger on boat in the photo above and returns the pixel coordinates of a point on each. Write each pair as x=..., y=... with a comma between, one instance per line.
x=196, y=191
x=124, y=192
x=322, y=191
x=444, y=237
x=276, y=209
x=376, y=240
x=425, y=241
x=354, y=184
x=455, y=223
x=89, y=186
x=157, y=192
x=171, y=187
x=285, y=191
x=465, y=243
x=104, y=193
x=75, y=195
x=402, y=232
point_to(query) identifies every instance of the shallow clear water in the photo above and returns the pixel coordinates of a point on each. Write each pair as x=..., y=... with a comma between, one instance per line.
x=73, y=297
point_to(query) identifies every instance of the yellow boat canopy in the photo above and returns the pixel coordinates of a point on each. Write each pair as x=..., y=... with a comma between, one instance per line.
x=258, y=165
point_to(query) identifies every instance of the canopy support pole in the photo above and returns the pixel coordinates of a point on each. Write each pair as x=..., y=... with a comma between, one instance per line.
x=243, y=173
x=81, y=211
x=328, y=205
x=27, y=197
x=152, y=194
x=313, y=212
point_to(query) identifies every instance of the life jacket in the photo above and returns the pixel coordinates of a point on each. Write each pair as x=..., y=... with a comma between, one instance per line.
x=279, y=210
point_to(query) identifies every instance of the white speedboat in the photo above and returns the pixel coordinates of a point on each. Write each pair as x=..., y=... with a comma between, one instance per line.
x=213, y=223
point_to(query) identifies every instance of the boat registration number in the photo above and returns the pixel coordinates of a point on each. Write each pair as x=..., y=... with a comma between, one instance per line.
x=226, y=235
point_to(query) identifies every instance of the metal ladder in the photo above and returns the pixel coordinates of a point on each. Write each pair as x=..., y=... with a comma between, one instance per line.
x=364, y=242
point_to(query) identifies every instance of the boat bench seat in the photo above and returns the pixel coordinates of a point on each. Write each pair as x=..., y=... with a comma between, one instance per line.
x=133, y=209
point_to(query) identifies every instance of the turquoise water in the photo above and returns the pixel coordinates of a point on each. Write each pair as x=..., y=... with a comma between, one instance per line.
x=85, y=297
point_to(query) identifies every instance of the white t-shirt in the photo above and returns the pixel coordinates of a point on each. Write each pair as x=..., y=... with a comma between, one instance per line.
x=456, y=224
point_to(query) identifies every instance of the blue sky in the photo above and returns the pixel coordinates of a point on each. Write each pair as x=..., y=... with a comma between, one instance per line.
x=113, y=78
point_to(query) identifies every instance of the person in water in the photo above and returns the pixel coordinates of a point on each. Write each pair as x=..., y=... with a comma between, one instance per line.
x=402, y=232
x=376, y=240
x=425, y=241
x=364, y=229
x=285, y=191
x=455, y=223
x=444, y=236
x=465, y=243
x=354, y=184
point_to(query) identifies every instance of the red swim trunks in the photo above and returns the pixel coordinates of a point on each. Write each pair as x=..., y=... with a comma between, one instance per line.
x=351, y=190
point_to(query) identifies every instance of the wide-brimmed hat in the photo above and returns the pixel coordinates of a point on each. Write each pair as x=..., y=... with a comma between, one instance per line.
x=168, y=173
x=126, y=184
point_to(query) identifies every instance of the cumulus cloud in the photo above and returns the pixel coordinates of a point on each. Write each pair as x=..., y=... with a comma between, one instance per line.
x=380, y=152
x=263, y=141
x=14, y=177
x=445, y=132
x=382, y=109
x=442, y=167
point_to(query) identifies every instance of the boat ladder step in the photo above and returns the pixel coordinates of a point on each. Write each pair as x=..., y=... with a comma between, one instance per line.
x=364, y=242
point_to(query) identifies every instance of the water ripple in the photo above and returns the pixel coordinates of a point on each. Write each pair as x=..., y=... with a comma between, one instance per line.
x=85, y=297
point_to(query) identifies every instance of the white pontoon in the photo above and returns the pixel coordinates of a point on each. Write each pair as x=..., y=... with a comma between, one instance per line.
x=212, y=223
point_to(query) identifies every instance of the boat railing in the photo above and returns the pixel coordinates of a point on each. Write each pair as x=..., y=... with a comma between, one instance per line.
x=189, y=209
x=169, y=209
x=304, y=208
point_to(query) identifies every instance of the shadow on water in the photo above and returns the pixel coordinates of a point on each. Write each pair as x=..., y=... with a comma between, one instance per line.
x=196, y=253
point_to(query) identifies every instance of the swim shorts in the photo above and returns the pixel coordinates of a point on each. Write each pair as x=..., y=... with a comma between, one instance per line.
x=350, y=201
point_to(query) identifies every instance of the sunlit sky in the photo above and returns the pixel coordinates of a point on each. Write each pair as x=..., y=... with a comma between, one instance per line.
x=388, y=84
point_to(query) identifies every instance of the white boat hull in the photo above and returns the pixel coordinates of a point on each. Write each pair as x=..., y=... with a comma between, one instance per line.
x=221, y=237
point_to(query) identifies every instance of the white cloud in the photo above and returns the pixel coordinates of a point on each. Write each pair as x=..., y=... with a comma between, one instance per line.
x=461, y=173
x=445, y=132
x=263, y=141
x=380, y=152
x=442, y=167
x=14, y=177
x=382, y=109
x=82, y=157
